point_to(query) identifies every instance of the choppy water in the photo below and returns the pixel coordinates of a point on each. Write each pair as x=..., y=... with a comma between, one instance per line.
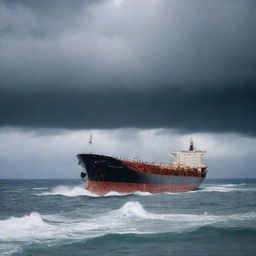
x=59, y=217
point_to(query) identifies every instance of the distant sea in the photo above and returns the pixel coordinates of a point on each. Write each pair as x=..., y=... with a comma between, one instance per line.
x=59, y=217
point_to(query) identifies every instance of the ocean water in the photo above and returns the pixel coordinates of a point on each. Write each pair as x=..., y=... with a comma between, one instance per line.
x=59, y=217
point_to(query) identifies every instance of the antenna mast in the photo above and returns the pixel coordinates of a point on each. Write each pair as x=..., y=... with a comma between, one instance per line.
x=90, y=139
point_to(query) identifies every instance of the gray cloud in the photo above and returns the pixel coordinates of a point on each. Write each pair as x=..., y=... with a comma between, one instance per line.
x=41, y=19
x=188, y=65
x=228, y=109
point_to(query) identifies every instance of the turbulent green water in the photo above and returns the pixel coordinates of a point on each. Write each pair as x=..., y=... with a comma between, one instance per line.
x=59, y=217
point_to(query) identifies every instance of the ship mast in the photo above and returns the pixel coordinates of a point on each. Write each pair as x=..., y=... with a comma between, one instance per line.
x=90, y=139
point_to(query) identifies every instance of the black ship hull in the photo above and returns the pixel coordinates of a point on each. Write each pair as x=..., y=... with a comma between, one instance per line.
x=105, y=174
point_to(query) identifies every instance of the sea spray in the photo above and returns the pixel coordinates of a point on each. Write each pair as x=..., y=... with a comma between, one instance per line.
x=73, y=191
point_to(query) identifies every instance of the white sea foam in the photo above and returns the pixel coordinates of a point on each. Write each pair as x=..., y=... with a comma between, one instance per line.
x=139, y=193
x=220, y=188
x=216, y=188
x=24, y=227
x=81, y=191
x=129, y=218
x=41, y=188
x=114, y=193
x=225, y=188
x=230, y=185
x=75, y=191
x=68, y=191
x=133, y=218
x=133, y=209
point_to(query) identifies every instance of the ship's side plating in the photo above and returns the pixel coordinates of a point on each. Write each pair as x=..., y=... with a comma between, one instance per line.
x=106, y=174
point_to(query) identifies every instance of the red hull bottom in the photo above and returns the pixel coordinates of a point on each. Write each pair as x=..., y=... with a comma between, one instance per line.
x=103, y=187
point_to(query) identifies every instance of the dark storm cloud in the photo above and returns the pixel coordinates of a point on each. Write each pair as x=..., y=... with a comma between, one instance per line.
x=226, y=109
x=46, y=16
x=177, y=64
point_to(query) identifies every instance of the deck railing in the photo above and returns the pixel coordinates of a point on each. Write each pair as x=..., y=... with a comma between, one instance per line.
x=162, y=168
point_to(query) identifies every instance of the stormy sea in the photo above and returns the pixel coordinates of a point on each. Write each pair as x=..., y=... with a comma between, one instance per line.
x=59, y=217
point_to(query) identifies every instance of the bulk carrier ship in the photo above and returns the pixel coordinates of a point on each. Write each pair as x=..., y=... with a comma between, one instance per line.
x=107, y=173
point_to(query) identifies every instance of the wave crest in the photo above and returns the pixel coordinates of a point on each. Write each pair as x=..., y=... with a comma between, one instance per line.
x=15, y=227
x=133, y=209
x=131, y=217
x=68, y=191
x=81, y=191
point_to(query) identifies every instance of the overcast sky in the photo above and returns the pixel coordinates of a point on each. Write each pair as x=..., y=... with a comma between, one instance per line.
x=144, y=75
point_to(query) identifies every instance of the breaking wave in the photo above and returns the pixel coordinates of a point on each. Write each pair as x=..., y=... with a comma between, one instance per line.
x=80, y=191
x=129, y=218
x=133, y=209
x=68, y=191
x=24, y=227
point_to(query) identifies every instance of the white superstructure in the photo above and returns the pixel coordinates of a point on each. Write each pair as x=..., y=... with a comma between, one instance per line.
x=190, y=158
